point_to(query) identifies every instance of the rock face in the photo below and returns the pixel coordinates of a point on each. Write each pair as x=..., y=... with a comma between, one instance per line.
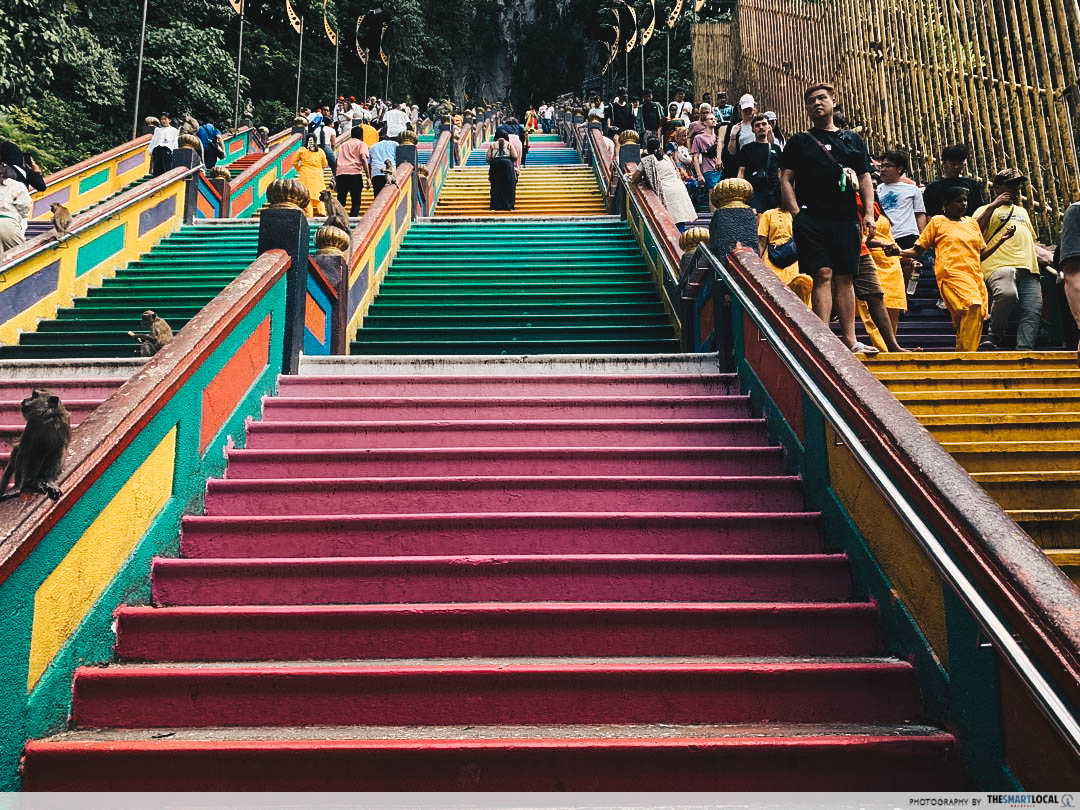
x=512, y=60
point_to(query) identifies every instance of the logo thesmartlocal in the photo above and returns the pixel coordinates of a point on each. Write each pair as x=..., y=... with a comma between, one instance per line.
x=1031, y=799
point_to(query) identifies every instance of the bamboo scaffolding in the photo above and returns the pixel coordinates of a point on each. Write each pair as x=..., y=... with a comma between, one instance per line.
x=1002, y=76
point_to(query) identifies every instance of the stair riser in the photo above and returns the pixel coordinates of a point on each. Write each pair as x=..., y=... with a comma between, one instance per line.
x=358, y=409
x=482, y=387
x=838, y=693
x=228, y=497
x=277, y=464
x=11, y=412
x=289, y=436
x=158, y=636
x=185, y=582
x=477, y=534
x=903, y=764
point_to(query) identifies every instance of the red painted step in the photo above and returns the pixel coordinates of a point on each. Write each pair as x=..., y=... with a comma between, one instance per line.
x=703, y=759
x=510, y=461
x=345, y=580
x=660, y=385
x=430, y=407
x=499, y=692
x=511, y=533
x=500, y=494
x=495, y=630
x=509, y=433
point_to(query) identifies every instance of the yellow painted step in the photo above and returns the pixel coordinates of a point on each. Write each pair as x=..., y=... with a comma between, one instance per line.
x=968, y=361
x=541, y=192
x=981, y=401
x=1039, y=490
x=1015, y=456
x=1068, y=560
x=1050, y=528
x=995, y=380
x=1022, y=427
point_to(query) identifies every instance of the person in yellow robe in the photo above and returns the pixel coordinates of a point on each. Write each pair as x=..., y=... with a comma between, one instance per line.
x=310, y=163
x=885, y=253
x=959, y=249
x=774, y=228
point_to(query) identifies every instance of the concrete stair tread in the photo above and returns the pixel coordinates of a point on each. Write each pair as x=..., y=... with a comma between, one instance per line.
x=498, y=732
x=718, y=664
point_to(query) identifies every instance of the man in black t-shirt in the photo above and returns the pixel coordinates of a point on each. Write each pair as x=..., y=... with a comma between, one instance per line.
x=652, y=115
x=759, y=162
x=953, y=160
x=822, y=171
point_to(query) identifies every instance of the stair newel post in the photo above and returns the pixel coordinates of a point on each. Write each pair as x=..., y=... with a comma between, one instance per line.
x=629, y=153
x=407, y=150
x=188, y=159
x=333, y=258
x=283, y=225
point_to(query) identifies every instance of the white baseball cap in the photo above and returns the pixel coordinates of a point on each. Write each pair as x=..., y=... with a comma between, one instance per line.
x=747, y=102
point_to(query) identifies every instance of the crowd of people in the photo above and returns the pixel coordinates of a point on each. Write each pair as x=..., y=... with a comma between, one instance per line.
x=847, y=231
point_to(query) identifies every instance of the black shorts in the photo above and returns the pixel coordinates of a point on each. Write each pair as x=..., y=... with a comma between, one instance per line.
x=827, y=243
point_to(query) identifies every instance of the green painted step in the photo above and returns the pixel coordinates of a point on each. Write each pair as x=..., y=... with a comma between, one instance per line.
x=177, y=278
x=570, y=286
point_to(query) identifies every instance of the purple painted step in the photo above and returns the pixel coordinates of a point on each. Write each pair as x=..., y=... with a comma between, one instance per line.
x=420, y=408
x=495, y=630
x=499, y=578
x=500, y=494
x=406, y=462
x=510, y=533
x=629, y=385
x=509, y=433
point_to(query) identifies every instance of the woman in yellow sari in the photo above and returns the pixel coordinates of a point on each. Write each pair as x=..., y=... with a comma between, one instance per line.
x=310, y=163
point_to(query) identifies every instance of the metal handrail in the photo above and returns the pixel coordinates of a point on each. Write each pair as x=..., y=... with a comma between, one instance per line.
x=1045, y=695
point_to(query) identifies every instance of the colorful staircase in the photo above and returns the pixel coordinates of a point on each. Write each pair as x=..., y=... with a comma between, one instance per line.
x=39, y=226
x=517, y=287
x=587, y=574
x=540, y=154
x=176, y=279
x=1012, y=420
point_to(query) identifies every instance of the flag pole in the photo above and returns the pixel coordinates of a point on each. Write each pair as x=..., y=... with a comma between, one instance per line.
x=299, y=63
x=138, y=74
x=239, y=56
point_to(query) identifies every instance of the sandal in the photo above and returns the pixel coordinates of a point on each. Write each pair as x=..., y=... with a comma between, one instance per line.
x=862, y=348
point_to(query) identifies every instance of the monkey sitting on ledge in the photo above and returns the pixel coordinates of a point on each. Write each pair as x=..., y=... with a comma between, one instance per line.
x=160, y=334
x=38, y=454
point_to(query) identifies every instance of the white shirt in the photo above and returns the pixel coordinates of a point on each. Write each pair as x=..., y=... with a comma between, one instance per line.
x=542, y=112
x=15, y=202
x=327, y=134
x=901, y=202
x=396, y=122
x=359, y=113
x=164, y=136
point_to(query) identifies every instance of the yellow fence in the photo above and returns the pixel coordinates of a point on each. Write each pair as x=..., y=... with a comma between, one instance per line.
x=919, y=75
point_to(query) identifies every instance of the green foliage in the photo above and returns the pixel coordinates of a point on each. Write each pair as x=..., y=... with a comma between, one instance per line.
x=187, y=69
x=29, y=37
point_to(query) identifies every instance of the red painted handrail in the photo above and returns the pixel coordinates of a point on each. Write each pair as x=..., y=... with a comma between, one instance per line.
x=101, y=438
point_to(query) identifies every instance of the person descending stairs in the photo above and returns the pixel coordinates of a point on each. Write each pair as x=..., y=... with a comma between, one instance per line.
x=1012, y=420
x=569, y=190
x=589, y=574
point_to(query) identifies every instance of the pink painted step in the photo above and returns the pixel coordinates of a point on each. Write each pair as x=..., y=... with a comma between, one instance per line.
x=513, y=433
x=501, y=691
x=495, y=630
x=421, y=407
x=511, y=461
x=13, y=390
x=11, y=411
x=498, y=578
x=660, y=385
x=501, y=494
x=819, y=759
x=511, y=533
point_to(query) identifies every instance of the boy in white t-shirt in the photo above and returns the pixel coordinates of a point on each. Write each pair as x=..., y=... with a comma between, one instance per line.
x=901, y=200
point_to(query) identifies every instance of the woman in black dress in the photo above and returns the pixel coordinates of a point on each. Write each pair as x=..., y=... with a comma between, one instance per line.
x=502, y=173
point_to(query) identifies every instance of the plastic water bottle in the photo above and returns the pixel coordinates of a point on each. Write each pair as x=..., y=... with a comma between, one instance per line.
x=913, y=282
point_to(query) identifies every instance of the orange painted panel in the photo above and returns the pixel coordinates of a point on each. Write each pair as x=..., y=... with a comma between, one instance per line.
x=231, y=384
x=315, y=319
